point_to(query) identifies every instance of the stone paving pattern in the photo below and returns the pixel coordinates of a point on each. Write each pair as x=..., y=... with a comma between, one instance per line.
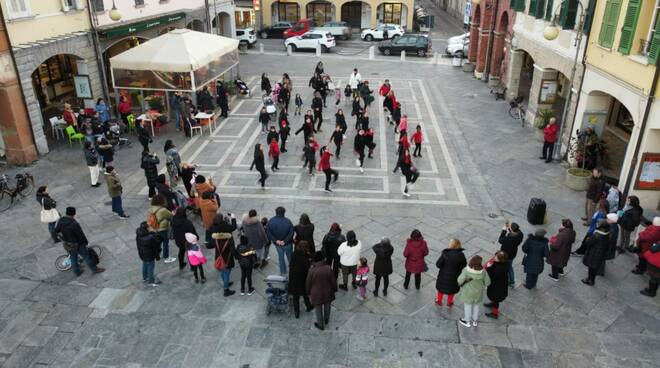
x=51, y=319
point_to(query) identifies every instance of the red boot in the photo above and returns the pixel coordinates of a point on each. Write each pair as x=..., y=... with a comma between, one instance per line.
x=450, y=300
x=494, y=313
x=438, y=299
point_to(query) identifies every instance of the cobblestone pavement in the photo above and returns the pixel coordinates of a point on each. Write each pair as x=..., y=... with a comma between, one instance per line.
x=48, y=318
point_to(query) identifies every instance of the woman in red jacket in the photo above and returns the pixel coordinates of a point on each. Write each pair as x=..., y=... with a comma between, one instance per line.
x=645, y=241
x=415, y=251
x=124, y=108
x=324, y=165
x=274, y=152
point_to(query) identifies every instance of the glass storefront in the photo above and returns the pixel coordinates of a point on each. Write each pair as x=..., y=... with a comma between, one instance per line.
x=288, y=12
x=244, y=18
x=319, y=12
x=53, y=79
x=391, y=13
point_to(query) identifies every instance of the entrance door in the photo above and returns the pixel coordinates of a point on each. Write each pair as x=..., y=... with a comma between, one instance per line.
x=351, y=13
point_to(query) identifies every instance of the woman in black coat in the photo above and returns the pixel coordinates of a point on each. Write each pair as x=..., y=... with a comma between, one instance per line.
x=560, y=248
x=498, y=289
x=298, y=269
x=181, y=225
x=450, y=264
x=383, y=264
x=221, y=232
x=597, y=245
x=258, y=161
x=265, y=84
x=331, y=242
x=304, y=231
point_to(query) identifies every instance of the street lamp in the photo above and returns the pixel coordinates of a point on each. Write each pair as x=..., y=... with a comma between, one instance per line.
x=550, y=33
x=114, y=13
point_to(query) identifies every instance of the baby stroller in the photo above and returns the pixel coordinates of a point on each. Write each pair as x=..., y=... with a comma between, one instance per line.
x=242, y=87
x=270, y=107
x=277, y=294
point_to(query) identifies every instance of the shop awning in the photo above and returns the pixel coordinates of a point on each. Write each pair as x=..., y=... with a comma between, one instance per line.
x=180, y=60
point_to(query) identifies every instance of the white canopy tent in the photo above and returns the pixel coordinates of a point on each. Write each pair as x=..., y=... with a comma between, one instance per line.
x=180, y=60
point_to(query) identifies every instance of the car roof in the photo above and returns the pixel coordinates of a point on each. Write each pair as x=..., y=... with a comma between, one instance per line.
x=245, y=29
x=320, y=31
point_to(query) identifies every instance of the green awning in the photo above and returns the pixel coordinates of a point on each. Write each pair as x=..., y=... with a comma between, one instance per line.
x=129, y=29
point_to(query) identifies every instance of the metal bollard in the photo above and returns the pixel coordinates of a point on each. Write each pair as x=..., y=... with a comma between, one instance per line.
x=436, y=58
x=318, y=50
x=372, y=52
x=289, y=50
x=261, y=48
x=403, y=56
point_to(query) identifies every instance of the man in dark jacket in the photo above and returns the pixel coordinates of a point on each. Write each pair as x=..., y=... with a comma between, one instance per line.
x=321, y=285
x=510, y=239
x=594, y=194
x=221, y=99
x=628, y=222
x=280, y=233
x=594, y=256
x=536, y=251
x=75, y=242
x=331, y=241
x=149, y=165
x=148, y=246
x=92, y=160
x=143, y=135
x=317, y=107
x=163, y=189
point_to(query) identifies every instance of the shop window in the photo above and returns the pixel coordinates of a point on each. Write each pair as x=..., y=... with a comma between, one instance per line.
x=392, y=13
x=610, y=19
x=288, y=12
x=98, y=5
x=568, y=13
x=320, y=13
x=653, y=48
x=629, y=25
x=18, y=8
x=518, y=5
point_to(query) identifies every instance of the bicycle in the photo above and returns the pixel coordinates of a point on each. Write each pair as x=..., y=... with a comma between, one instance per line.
x=517, y=111
x=24, y=187
x=63, y=262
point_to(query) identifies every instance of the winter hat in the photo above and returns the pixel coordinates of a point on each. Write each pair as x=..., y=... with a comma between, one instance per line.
x=540, y=233
x=191, y=238
x=335, y=227
x=612, y=218
x=656, y=221
x=70, y=211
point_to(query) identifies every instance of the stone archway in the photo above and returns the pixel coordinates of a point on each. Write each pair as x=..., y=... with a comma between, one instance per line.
x=28, y=60
x=320, y=11
x=474, y=34
x=221, y=24
x=357, y=14
x=196, y=25
x=499, y=44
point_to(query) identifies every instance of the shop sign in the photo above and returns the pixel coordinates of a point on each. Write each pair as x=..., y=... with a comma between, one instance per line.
x=83, y=88
x=141, y=26
x=548, y=93
x=648, y=177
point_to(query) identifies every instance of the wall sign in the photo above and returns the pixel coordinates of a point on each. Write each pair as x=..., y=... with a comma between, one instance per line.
x=141, y=26
x=548, y=93
x=83, y=87
x=648, y=175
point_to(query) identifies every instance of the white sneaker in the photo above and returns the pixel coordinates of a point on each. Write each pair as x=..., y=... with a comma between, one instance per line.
x=361, y=170
x=464, y=323
x=474, y=323
x=169, y=260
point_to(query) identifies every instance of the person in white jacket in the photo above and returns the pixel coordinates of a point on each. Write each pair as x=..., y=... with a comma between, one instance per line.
x=349, y=257
x=354, y=81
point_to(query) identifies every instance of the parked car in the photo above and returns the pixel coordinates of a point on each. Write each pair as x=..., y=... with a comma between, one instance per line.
x=411, y=43
x=310, y=39
x=300, y=28
x=275, y=31
x=458, y=49
x=459, y=38
x=382, y=32
x=246, y=36
x=338, y=29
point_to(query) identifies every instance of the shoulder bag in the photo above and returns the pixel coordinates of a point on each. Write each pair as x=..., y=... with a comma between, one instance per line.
x=48, y=216
x=220, y=263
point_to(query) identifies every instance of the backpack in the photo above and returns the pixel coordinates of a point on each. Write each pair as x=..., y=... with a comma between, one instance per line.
x=220, y=263
x=93, y=256
x=152, y=221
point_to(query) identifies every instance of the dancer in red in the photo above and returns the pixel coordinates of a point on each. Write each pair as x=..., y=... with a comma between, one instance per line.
x=324, y=165
x=417, y=138
x=274, y=152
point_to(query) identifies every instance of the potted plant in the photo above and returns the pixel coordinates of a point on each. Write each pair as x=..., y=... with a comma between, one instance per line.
x=541, y=121
x=577, y=177
x=156, y=103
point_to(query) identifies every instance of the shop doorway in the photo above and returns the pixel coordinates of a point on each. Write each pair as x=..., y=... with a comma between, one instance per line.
x=394, y=13
x=285, y=12
x=320, y=12
x=357, y=14
x=222, y=25
x=196, y=25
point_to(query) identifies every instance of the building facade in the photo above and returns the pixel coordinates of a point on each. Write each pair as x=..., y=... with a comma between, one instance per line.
x=617, y=96
x=539, y=70
x=54, y=54
x=358, y=14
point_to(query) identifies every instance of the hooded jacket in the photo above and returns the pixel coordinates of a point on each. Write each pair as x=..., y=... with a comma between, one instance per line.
x=349, y=255
x=114, y=185
x=536, y=250
x=223, y=243
x=148, y=243
x=163, y=215
x=474, y=284
x=321, y=284
x=414, y=252
x=648, y=237
x=597, y=245
x=245, y=255
x=631, y=218
x=149, y=165
x=208, y=208
x=383, y=261
x=254, y=231
x=509, y=242
x=331, y=242
x=70, y=231
x=450, y=264
x=180, y=226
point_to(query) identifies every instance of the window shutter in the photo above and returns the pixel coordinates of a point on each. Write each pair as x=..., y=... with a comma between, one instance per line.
x=654, y=51
x=568, y=13
x=540, y=7
x=629, y=25
x=548, y=10
x=610, y=19
x=588, y=19
x=532, y=7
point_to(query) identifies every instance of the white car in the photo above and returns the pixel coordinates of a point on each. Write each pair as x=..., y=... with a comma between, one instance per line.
x=246, y=36
x=458, y=49
x=339, y=30
x=382, y=32
x=310, y=39
x=459, y=39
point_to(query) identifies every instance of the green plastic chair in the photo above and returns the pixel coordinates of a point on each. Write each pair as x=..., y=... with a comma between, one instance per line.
x=73, y=136
x=131, y=123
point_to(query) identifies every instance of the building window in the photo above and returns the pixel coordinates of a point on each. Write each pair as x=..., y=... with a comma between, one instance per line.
x=588, y=19
x=610, y=19
x=653, y=48
x=392, y=13
x=288, y=12
x=548, y=10
x=139, y=2
x=98, y=5
x=18, y=8
x=320, y=13
x=536, y=8
x=629, y=25
x=568, y=13
x=518, y=5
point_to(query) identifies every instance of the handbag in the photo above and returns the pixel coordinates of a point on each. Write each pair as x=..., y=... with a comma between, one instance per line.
x=48, y=216
x=220, y=263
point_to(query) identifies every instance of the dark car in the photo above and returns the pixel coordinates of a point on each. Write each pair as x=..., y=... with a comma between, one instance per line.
x=419, y=44
x=276, y=30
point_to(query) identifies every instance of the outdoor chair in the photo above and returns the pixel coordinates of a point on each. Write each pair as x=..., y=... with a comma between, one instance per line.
x=57, y=127
x=73, y=136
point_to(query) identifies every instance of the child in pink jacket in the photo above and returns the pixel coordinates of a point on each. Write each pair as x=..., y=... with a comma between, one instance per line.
x=362, y=278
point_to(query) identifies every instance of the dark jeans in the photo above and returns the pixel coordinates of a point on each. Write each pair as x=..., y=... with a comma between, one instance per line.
x=51, y=230
x=531, y=279
x=73, y=257
x=276, y=161
x=510, y=274
x=283, y=145
x=556, y=271
x=152, y=189
x=337, y=149
x=386, y=282
x=318, y=115
x=334, y=263
x=411, y=177
x=296, y=303
x=345, y=270
x=246, y=274
x=328, y=174
x=322, y=314
x=418, y=280
x=201, y=271
x=591, y=274
x=165, y=236
x=182, y=256
x=148, y=268
x=547, y=150
x=263, y=177
x=361, y=157
x=116, y=206
x=418, y=150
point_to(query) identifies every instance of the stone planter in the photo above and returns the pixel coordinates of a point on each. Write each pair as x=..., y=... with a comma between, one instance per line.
x=539, y=134
x=468, y=67
x=578, y=179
